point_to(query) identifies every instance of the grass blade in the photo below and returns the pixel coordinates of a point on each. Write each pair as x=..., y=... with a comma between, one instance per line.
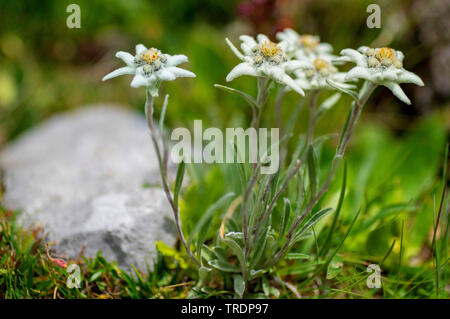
x=326, y=245
x=178, y=182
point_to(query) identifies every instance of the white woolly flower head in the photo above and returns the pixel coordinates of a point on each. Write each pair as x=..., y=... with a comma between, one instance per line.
x=264, y=58
x=303, y=46
x=150, y=67
x=383, y=66
x=319, y=72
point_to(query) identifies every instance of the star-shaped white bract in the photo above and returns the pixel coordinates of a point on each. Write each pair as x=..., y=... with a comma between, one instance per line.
x=383, y=66
x=317, y=75
x=304, y=46
x=150, y=67
x=264, y=58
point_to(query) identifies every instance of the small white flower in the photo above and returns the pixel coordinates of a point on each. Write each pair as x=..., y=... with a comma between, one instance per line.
x=304, y=46
x=150, y=67
x=316, y=75
x=264, y=58
x=383, y=66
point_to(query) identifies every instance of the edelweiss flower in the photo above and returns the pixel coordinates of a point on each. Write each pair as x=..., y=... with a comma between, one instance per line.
x=304, y=46
x=263, y=58
x=318, y=73
x=382, y=66
x=150, y=67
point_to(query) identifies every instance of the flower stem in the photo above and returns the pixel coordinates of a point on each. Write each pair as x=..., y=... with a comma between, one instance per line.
x=357, y=107
x=313, y=101
x=162, y=161
x=263, y=90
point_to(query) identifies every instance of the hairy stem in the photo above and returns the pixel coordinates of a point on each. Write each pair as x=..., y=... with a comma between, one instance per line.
x=313, y=101
x=263, y=90
x=357, y=107
x=162, y=161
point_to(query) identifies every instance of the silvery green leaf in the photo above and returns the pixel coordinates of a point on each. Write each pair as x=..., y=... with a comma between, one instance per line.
x=250, y=100
x=344, y=90
x=220, y=252
x=259, y=247
x=316, y=217
x=223, y=266
x=285, y=217
x=239, y=285
x=237, y=250
x=234, y=235
x=302, y=236
x=207, y=253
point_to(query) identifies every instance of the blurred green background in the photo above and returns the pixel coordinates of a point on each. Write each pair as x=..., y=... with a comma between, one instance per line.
x=46, y=67
x=395, y=161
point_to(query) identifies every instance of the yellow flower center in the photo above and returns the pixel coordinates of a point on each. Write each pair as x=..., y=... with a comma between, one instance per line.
x=269, y=49
x=150, y=56
x=385, y=53
x=320, y=64
x=309, y=41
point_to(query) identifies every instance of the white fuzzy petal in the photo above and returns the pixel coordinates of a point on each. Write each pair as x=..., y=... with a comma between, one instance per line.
x=339, y=76
x=262, y=38
x=303, y=83
x=398, y=92
x=409, y=77
x=234, y=49
x=292, y=84
x=138, y=81
x=285, y=46
x=140, y=48
x=181, y=73
x=278, y=74
x=363, y=49
x=399, y=55
x=248, y=40
x=241, y=69
x=174, y=60
x=344, y=86
x=296, y=64
x=291, y=33
x=287, y=34
x=325, y=47
x=165, y=75
x=341, y=60
x=274, y=72
x=246, y=49
x=126, y=57
x=281, y=36
x=358, y=73
x=118, y=72
x=390, y=74
x=354, y=56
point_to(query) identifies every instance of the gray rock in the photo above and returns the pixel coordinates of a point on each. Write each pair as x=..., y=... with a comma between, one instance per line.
x=81, y=175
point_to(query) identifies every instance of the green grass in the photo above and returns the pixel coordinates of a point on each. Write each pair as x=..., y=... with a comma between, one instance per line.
x=26, y=272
